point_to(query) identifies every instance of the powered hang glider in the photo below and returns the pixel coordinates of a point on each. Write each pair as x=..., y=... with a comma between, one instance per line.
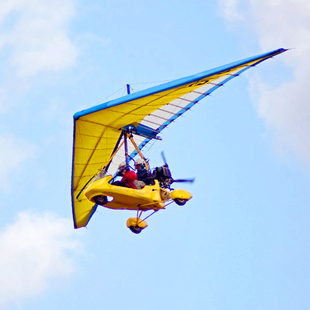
x=102, y=133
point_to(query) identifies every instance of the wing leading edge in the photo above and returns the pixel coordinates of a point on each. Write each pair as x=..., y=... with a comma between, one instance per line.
x=97, y=130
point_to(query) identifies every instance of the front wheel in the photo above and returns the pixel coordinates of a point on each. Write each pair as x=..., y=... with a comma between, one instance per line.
x=100, y=200
x=135, y=229
x=180, y=202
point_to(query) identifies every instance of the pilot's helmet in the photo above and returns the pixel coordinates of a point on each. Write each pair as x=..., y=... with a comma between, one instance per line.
x=141, y=162
x=122, y=166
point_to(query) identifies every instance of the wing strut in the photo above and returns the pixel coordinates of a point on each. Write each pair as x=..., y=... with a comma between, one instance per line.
x=138, y=150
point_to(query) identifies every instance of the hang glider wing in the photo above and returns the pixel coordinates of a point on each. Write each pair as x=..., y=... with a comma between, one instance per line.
x=147, y=112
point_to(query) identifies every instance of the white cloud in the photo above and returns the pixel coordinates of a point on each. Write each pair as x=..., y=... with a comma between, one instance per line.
x=285, y=108
x=36, y=252
x=230, y=10
x=37, y=35
x=13, y=153
x=3, y=99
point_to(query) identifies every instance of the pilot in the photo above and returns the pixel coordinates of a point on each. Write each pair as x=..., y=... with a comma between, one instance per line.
x=144, y=176
x=129, y=176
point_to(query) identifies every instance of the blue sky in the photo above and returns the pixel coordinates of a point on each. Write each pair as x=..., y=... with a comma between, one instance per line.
x=242, y=241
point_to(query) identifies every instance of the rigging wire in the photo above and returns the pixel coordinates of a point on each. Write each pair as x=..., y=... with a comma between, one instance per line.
x=113, y=94
x=124, y=89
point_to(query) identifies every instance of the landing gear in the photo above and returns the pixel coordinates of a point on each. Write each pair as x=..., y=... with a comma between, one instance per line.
x=180, y=202
x=136, y=225
x=100, y=200
x=180, y=196
x=135, y=229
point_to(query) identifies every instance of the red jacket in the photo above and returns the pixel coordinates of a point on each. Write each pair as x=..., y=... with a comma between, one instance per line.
x=129, y=177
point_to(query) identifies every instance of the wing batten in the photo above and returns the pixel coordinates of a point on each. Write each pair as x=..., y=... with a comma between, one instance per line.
x=202, y=96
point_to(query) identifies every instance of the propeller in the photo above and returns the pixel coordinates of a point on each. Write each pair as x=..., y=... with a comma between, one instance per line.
x=184, y=180
x=178, y=180
x=164, y=158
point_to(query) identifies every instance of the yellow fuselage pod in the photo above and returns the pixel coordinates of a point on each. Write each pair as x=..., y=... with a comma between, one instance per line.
x=125, y=198
x=181, y=194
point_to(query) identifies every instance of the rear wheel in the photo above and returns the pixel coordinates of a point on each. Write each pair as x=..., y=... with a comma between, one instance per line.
x=135, y=229
x=180, y=202
x=100, y=200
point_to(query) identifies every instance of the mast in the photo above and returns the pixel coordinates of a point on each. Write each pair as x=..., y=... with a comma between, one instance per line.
x=125, y=134
x=126, y=148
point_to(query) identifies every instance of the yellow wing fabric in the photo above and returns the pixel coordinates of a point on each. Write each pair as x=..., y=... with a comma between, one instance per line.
x=97, y=130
